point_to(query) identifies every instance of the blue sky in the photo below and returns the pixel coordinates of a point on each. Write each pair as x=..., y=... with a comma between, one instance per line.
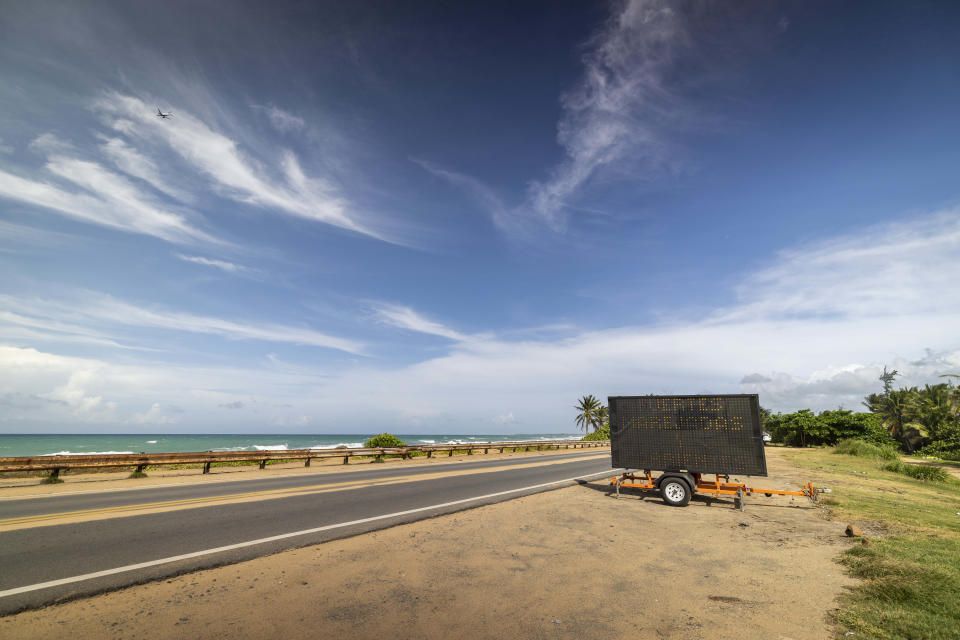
x=435, y=217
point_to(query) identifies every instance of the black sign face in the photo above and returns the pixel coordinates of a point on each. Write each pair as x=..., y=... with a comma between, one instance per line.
x=702, y=434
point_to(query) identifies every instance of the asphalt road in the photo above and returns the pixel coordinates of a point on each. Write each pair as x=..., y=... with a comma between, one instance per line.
x=283, y=513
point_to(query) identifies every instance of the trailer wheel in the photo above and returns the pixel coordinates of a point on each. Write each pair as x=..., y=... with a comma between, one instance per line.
x=675, y=492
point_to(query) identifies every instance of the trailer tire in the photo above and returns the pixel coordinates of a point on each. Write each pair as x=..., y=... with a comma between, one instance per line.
x=675, y=492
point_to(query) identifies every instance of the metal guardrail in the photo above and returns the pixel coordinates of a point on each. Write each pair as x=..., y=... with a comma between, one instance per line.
x=56, y=464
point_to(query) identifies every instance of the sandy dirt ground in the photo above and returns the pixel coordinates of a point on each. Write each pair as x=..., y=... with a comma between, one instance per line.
x=571, y=564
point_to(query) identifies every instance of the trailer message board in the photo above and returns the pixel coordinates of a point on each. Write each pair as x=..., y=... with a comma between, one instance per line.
x=701, y=434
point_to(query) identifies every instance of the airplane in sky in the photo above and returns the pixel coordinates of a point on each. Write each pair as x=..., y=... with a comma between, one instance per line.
x=161, y=114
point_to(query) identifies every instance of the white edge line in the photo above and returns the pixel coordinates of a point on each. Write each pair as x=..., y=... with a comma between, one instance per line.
x=282, y=536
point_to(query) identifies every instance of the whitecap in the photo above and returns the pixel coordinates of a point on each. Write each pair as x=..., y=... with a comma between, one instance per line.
x=151, y=442
x=88, y=453
x=349, y=445
x=270, y=447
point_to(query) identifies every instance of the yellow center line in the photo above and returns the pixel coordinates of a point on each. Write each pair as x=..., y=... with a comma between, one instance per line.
x=186, y=503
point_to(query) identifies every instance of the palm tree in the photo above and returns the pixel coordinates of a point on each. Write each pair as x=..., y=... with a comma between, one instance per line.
x=603, y=418
x=897, y=410
x=588, y=407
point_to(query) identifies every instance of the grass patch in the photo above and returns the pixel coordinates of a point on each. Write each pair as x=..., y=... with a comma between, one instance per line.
x=864, y=449
x=910, y=589
x=918, y=471
x=910, y=585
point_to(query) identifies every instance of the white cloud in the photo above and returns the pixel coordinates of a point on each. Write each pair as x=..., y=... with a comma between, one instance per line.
x=407, y=318
x=237, y=175
x=790, y=355
x=229, y=267
x=507, y=418
x=102, y=311
x=887, y=270
x=116, y=203
x=620, y=107
x=509, y=221
x=282, y=121
x=50, y=143
x=14, y=326
x=154, y=416
x=132, y=162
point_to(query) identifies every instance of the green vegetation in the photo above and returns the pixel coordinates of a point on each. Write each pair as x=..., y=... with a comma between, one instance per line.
x=910, y=569
x=592, y=414
x=384, y=440
x=927, y=419
x=805, y=428
x=864, y=449
x=923, y=420
x=918, y=471
x=603, y=433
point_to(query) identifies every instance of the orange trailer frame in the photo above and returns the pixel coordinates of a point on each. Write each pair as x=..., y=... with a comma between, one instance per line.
x=715, y=488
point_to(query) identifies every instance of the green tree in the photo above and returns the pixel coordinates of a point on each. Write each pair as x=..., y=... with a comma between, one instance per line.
x=887, y=379
x=603, y=418
x=589, y=407
x=384, y=440
x=896, y=411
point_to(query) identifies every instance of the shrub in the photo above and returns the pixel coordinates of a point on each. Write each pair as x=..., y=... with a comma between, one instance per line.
x=603, y=433
x=804, y=428
x=920, y=472
x=863, y=449
x=384, y=440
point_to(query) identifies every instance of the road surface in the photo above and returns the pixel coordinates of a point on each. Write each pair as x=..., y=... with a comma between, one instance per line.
x=65, y=546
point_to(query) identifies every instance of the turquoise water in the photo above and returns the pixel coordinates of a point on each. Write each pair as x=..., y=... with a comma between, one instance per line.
x=64, y=444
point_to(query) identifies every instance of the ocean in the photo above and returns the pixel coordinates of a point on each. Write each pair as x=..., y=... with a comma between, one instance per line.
x=66, y=444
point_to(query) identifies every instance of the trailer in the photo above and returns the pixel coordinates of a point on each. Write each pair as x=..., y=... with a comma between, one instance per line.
x=688, y=438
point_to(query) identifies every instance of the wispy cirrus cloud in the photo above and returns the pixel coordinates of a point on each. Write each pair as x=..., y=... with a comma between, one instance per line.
x=621, y=106
x=114, y=202
x=507, y=220
x=102, y=311
x=406, y=318
x=134, y=163
x=282, y=121
x=223, y=265
x=236, y=174
x=618, y=116
x=884, y=270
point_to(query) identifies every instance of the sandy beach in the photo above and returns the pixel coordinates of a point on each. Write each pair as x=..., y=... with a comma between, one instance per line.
x=571, y=563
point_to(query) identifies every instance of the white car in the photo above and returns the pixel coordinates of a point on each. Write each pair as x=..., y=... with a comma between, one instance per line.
x=766, y=437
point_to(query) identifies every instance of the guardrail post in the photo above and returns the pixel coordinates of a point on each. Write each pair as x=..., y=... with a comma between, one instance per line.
x=486, y=450
x=430, y=453
x=206, y=467
x=263, y=464
x=450, y=453
x=346, y=459
x=307, y=462
x=470, y=451
x=53, y=478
